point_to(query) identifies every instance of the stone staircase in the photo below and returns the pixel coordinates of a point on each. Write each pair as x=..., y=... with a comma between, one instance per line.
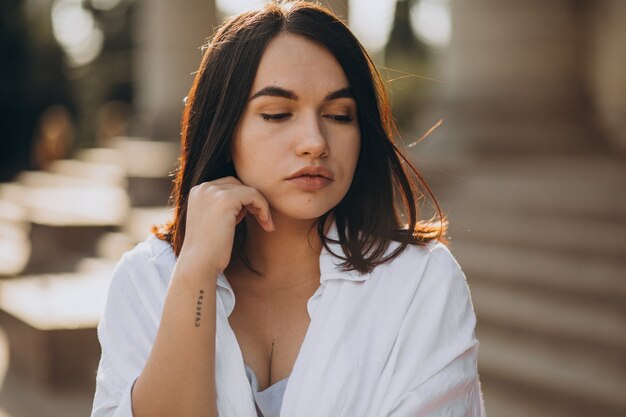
x=536, y=198
x=63, y=230
x=551, y=294
x=542, y=240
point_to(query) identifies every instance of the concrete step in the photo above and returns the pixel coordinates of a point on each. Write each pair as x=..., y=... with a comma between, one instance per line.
x=105, y=156
x=147, y=158
x=138, y=157
x=50, y=321
x=98, y=266
x=562, y=235
x=148, y=165
x=15, y=249
x=506, y=103
x=558, y=318
x=102, y=173
x=572, y=187
x=542, y=270
x=46, y=179
x=50, y=301
x=582, y=167
x=64, y=222
x=506, y=399
x=542, y=194
x=14, y=244
x=59, y=248
x=149, y=191
x=141, y=219
x=137, y=227
x=536, y=369
x=546, y=137
x=58, y=199
x=22, y=398
x=474, y=138
x=112, y=245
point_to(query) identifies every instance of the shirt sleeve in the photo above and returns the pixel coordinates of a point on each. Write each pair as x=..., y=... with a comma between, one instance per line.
x=436, y=363
x=126, y=333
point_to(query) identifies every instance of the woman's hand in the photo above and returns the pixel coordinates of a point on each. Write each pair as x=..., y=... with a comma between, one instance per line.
x=214, y=209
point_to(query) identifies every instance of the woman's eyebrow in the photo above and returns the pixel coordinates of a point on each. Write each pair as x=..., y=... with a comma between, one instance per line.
x=272, y=91
x=345, y=92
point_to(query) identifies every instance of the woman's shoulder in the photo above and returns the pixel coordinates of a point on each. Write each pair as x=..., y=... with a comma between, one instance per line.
x=433, y=253
x=430, y=276
x=148, y=264
x=136, y=295
x=151, y=249
x=431, y=264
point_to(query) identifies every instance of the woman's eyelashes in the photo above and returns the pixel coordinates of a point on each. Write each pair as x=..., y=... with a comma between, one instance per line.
x=274, y=117
x=339, y=117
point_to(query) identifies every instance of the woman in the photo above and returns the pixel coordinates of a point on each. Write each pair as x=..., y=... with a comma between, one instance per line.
x=289, y=200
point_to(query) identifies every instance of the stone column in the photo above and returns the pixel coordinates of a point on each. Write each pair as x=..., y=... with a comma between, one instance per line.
x=606, y=67
x=513, y=74
x=168, y=38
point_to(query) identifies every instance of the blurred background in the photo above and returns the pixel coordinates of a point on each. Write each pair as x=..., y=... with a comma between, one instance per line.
x=525, y=101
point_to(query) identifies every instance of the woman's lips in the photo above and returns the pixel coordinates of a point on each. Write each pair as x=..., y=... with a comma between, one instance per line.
x=311, y=178
x=310, y=182
x=313, y=171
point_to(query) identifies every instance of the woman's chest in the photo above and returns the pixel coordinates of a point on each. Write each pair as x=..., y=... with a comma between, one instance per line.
x=270, y=333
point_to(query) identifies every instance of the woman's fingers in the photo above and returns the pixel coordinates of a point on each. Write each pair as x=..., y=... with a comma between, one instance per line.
x=258, y=206
x=246, y=197
x=253, y=201
x=241, y=215
x=262, y=217
x=214, y=209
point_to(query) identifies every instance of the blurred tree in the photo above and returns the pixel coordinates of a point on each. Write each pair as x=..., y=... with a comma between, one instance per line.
x=104, y=84
x=38, y=73
x=13, y=80
x=406, y=59
x=31, y=79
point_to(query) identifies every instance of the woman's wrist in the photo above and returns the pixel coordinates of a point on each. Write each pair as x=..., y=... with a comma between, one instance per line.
x=195, y=275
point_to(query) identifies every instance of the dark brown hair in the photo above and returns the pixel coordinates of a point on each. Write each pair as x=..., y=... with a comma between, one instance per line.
x=382, y=202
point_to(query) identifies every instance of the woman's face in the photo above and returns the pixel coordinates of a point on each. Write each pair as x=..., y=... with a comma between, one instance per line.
x=300, y=115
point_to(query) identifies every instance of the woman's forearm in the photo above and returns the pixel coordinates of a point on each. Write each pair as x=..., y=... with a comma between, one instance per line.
x=179, y=376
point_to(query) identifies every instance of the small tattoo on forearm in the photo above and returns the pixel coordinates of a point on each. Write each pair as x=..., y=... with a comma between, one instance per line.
x=199, y=308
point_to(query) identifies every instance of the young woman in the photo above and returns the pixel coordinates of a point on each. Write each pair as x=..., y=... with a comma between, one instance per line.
x=296, y=277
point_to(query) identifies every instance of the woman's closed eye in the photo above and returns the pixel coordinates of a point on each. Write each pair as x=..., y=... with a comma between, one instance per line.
x=275, y=116
x=340, y=118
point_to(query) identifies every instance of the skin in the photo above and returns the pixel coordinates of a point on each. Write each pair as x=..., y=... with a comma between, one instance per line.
x=277, y=136
x=179, y=375
x=315, y=125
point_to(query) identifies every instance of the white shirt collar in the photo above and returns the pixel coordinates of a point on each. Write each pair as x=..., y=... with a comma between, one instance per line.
x=329, y=270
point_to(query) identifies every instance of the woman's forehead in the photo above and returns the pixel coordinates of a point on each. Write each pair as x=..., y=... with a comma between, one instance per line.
x=299, y=64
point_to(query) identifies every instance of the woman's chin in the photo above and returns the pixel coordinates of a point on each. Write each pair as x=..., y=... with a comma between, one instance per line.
x=295, y=213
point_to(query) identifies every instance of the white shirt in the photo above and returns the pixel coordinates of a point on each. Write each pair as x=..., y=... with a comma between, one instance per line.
x=397, y=342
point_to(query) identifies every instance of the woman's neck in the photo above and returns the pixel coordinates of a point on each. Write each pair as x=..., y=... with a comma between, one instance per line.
x=286, y=257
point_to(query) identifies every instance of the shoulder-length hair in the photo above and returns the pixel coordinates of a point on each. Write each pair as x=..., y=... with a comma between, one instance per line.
x=381, y=204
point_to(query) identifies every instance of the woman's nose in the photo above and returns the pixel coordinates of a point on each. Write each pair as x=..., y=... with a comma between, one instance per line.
x=311, y=138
